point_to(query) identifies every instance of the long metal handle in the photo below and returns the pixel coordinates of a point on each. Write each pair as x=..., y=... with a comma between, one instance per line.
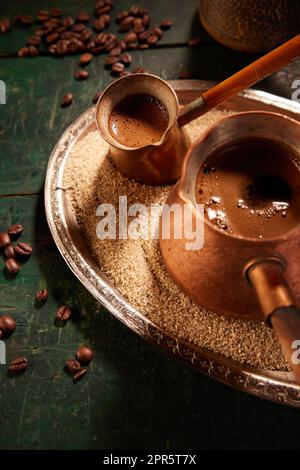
x=278, y=305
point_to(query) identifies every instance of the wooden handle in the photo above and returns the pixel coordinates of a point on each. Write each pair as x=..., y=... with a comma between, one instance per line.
x=245, y=78
x=286, y=323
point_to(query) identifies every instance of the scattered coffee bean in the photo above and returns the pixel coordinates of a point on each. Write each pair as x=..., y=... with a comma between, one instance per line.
x=166, y=24
x=83, y=17
x=105, y=19
x=104, y=9
x=78, y=27
x=15, y=231
x=98, y=25
x=139, y=70
x=42, y=16
x=34, y=41
x=68, y=22
x=152, y=39
x=10, y=251
x=12, y=266
x=144, y=36
x=132, y=46
x=32, y=51
x=53, y=37
x=23, y=52
x=5, y=240
x=125, y=73
x=79, y=375
x=146, y=20
x=117, y=68
x=63, y=313
x=84, y=355
x=56, y=12
x=41, y=295
x=23, y=249
x=138, y=29
x=7, y=325
x=4, y=25
x=72, y=366
x=194, y=42
x=18, y=365
x=25, y=20
x=81, y=75
x=67, y=100
x=96, y=97
x=120, y=16
x=110, y=60
x=116, y=51
x=126, y=59
x=158, y=32
x=143, y=46
x=130, y=37
x=85, y=59
x=126, y=24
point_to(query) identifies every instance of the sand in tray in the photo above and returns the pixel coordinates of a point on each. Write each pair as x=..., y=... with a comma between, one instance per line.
x=136, y=267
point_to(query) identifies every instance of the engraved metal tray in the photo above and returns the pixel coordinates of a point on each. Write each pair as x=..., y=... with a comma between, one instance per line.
x=276, y=386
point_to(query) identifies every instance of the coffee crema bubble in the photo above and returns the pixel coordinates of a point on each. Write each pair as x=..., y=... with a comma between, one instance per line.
x=138, y=120
x=251, y=188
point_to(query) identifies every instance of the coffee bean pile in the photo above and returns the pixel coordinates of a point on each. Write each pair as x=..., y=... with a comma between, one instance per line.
x=14, y=253
x=84, y=356
x=87, y=34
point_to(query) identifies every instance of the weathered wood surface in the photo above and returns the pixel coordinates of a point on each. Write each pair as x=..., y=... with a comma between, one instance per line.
x=133, y=396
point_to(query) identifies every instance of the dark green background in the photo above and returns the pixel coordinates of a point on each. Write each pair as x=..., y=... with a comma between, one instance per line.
x=134, y=396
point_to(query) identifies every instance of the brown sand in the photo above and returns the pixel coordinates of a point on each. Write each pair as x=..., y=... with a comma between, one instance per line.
x=136, y=268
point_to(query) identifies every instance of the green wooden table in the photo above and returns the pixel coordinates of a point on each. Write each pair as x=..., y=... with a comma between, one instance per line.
x=134, y=396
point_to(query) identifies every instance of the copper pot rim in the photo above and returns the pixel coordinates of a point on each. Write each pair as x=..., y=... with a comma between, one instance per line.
x=182, y=183
x=130, y=77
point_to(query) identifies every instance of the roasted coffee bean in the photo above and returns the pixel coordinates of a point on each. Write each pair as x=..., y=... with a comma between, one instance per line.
x=10, y=251
x=117, y=68
x=53, y=37
x=121, y=16
x=23, y=249
x=18, y=365
x=185, y=75
x=42, y=16
x=146, y=20
x=194, y=42
x=96, y=97
x=25, y=20
x=72, y=366
x=152, y=39
x=111, y=44
x=78, y=27
x=139, y=70
x=166, y=24
x=105, y=19
x=41, y=295
x=39, y=32
x=63, y=313
x=86, y=35
x=134, y=10
x=4, y=25
x=83, y=17
x=104, y=9
x=158, y=32
x=67, y=100
x=12, y=266
x=116, y=51
x=110, y=60
x=5, y=240
x=7, y=325
x=144, y=36
x=68, y=22
x=14, y=231
x=143, y=46
x=53, y=49
x=85, y=59
x=56, y=12
x=101, y=38
x=122, y=45
x=60, y=30
x=138, y=29
x=98, y=25
x=79, y=375
x=132, y=46
x=23, y=52
x=126, y=59
x=125, y=73
x=84, y=355
x=130, y=37
x=32, y=51
x=34, y=41
x=126, y=24
x=137, y=22
x=81, y=75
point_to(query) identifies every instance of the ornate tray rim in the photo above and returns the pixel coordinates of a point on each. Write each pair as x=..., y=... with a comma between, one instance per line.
x=279, y=386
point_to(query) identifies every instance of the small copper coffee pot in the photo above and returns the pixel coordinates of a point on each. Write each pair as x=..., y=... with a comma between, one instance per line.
x=221, y=276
